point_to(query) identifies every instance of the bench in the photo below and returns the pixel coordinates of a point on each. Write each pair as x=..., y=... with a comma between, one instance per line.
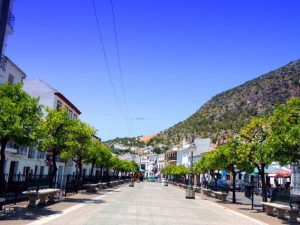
x=197, y=189
x=207, y=191
x=42, y=195
x=91, y=188
x=101, y=185
x=2, y=200
x=281, y=210
x=220, y=195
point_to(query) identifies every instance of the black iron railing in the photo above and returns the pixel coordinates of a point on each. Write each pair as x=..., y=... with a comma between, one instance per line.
x=11, y=20
x=3, y=63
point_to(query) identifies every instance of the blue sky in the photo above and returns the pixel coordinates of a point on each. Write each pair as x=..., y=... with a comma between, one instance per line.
x=175, y=54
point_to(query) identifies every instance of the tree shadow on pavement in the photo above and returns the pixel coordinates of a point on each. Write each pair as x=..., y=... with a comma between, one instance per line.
x=21, y=213
x=83, y=200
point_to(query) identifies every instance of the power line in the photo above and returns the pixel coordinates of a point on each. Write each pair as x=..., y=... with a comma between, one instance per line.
x=106, y=59
x=118, y=55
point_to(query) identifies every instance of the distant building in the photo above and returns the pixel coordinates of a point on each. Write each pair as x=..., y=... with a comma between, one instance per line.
x=171, y=156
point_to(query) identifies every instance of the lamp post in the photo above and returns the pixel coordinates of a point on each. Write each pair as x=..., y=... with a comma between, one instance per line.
x=190, y=192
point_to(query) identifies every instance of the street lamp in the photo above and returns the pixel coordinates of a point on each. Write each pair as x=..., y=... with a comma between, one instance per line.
x=190, y=192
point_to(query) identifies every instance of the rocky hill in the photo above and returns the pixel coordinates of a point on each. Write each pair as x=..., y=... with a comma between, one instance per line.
x=228, y=111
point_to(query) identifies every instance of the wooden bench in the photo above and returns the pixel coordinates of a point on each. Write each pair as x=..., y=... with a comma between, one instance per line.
x=220, y=195
x=207, y=191
x=281, y=210
x=44, y=195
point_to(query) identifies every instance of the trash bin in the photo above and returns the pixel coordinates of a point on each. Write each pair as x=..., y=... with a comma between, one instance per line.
x=248, y=191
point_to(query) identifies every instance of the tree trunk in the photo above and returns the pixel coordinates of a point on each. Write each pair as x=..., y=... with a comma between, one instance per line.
x=263, y=183
x=233, y=184
x=2, y=162
x=92, y=170
x=54, y=169
x=78, y=175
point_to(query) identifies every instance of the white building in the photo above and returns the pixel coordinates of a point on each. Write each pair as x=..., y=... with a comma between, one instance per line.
x=12, y=73
x=28, y=160
x=183, y=154
x=6, y=65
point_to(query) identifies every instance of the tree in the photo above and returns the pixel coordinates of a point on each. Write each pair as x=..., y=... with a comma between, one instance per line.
x=54, y=136
x=285, y=132
x=168, y=170
x=95, y=155
x=20, y=117
x=256, y=149
x=230, y=159
x=78, y=141
x=157, y=150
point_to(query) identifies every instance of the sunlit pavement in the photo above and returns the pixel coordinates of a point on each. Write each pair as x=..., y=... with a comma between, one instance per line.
x=147, y=203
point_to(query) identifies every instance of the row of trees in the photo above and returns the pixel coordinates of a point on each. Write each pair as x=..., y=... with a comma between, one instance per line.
x=175, y=170
x=259, y=143
x=25, y=122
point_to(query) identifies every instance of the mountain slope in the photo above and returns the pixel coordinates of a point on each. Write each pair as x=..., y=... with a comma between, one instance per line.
x=228, y=111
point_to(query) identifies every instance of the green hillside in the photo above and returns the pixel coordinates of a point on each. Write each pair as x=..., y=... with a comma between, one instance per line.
x=228, y=111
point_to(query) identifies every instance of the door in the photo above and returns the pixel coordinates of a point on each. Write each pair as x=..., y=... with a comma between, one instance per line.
x=12, y=170
x=60, y=176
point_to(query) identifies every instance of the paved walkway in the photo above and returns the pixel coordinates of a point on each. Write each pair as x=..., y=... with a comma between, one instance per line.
x=146, y=203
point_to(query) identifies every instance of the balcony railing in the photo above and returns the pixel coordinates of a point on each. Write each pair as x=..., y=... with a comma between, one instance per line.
x=11, y=20
x=22, y=150
x=40, y=155
x=31, y=153
x=3, y=63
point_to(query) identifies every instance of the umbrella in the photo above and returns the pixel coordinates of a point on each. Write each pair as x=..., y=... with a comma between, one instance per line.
x=280, y=173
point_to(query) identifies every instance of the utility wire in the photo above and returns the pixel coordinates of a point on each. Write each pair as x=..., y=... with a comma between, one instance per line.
x=106, y=59
x=120, y=68
x=119, y=61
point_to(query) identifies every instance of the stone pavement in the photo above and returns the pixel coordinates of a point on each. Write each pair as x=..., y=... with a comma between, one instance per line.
x=146, y=203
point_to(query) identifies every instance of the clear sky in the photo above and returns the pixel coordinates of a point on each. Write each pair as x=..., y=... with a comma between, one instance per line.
x=175, y=54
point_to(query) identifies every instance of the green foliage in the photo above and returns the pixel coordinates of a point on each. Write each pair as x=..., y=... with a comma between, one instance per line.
x=20, y=115
x=157, y=150
x=54, y=132
x=126, y=141
x=78, y=141
x=175, y=170
x=285, y=132
x=20, y=118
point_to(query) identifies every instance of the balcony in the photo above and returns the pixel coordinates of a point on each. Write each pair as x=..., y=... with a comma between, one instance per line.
x=11, y=20
x=40, y=155
x=22, y=151
x=31, y=153
x=3, y=63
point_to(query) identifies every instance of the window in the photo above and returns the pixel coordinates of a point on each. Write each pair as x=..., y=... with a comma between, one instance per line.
x=59, y=104
x=75, y=116
x=70, y=113
x=11, y=79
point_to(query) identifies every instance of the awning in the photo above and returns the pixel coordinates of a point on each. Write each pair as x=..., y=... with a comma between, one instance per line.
x=141, y=170
x=267, y=169
x=280, y=173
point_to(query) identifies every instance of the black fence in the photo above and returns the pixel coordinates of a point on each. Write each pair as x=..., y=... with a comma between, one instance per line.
x=18, y=183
